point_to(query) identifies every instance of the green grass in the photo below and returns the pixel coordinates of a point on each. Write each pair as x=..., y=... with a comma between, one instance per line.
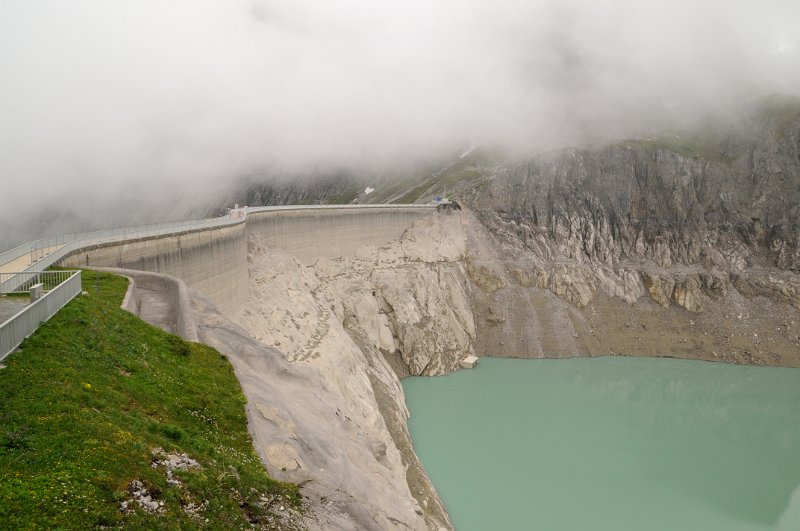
x=782, y=110
x=457, y=175
x=462, y=173
x=87, y=399
x=481, y=185
x=16, y=295
x=691, y=147
x=396, y=189
x=416, y=193
x=383, y=192
x=347, y=196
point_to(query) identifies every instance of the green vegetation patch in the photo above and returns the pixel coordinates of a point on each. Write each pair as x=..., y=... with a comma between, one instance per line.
x=690, y=147
x=385, y=191
x=95, y=402
x=16, y=296
x=466, y=171
x=347, y=196
x=416, y=193
x=782, y=110
x=481, y=185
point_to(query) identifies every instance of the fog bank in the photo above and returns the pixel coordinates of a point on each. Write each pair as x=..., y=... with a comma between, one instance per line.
x=112, y=109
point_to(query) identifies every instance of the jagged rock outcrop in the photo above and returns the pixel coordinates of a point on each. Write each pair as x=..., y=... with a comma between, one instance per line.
x=429, y=313
x=659, y=287
x=359, y=323
x=676, y=218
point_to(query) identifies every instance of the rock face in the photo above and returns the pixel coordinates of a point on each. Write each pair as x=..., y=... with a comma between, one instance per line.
x=682, y=220
x=350, y=327
x=685, y=247
x=409, y=299
x=319, y=425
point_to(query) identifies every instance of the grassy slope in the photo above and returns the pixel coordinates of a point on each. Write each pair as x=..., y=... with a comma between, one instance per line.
x=697, y=147
x=467, y=171
x=782, y=110
x=346, y=197
x=88, y=398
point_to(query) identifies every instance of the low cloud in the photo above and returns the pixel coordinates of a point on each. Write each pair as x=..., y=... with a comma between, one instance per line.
x=147, y=103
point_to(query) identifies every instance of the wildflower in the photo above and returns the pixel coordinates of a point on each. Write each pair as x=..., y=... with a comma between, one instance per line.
x=87, y=386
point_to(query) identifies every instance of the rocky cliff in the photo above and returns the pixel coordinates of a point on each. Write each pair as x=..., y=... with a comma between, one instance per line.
x=348, y=328
x=698, y=222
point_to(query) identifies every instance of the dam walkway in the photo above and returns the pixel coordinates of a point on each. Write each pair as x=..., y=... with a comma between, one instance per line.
x=41, y=254
x=27, y=260
x=209, y=255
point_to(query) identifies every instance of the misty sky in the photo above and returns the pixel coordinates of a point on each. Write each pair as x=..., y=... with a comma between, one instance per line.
x=111, y=102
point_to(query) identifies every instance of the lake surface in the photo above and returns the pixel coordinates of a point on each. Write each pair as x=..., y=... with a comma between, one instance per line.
x=616, y=444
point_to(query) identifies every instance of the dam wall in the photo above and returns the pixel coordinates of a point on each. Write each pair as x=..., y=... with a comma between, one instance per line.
x=213, y=260
x=331, y=232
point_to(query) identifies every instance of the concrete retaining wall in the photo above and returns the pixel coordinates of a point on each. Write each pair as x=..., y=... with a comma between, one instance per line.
x=170, y=308
x=214, y=261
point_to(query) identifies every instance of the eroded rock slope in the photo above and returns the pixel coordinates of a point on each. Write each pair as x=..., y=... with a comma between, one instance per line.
x=708, y=224
x=351, y=326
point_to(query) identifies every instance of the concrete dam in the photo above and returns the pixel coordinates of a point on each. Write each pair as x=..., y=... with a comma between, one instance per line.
x=214, y=260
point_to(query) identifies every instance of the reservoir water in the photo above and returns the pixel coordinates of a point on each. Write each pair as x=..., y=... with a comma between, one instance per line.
x=616, y=444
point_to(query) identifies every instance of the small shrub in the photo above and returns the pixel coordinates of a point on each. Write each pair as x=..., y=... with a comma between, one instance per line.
x=172, y=432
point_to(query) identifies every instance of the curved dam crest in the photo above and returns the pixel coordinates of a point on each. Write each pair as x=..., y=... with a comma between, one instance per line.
x=214, y=261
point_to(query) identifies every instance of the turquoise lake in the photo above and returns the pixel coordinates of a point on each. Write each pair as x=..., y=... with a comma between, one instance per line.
x=616, y=444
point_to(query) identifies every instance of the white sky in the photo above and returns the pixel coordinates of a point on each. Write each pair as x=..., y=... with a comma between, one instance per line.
x=158, y=99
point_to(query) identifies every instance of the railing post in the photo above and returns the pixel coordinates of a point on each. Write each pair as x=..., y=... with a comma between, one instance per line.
x=21, y=325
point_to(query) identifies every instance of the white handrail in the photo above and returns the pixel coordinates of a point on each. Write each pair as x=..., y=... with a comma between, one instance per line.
x=14, y=330
x=48, y=251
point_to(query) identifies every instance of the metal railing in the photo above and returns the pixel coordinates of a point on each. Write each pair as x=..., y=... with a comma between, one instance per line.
x=25, y=322
x=21, y=282
x=48, y=251
x=62, y=286
x=253, y=210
